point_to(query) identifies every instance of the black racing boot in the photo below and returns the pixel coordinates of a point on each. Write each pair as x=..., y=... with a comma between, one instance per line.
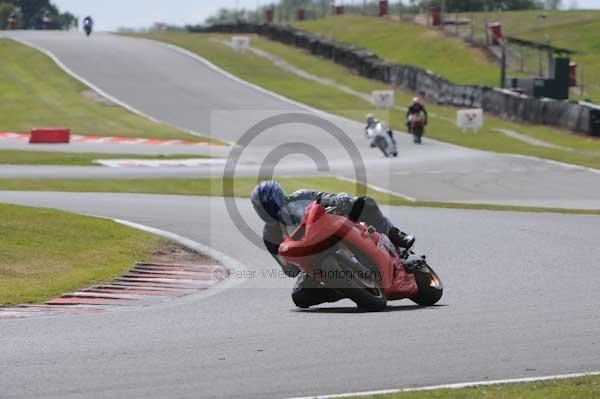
x=401, y=239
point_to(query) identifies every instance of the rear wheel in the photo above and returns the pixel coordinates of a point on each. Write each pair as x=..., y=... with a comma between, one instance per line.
x=355, y=281
x=382, y=145
x=430, y=287
x=418, y=134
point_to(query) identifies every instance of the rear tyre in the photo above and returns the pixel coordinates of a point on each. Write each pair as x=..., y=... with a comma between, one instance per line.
x=430, y=286
x=382, y=145
x=363, y=288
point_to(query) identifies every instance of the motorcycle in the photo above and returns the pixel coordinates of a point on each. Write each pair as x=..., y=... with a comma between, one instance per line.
x=382, y=138
x=357, y=261
x=416, y=126
x=87, y=27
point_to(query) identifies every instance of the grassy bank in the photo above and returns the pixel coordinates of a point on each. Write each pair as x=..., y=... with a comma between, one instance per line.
x=584, y=387
x=583, y=151
x=16, y=157
x=44, y=253
x=242, y=187
x=411, y=44
x=37, y=93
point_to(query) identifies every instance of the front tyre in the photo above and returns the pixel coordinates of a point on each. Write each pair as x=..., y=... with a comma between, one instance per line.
x=430, y=286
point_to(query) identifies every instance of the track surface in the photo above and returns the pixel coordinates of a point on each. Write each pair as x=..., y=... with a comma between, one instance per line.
x=521, y=300
x=174, y=87
x=521, y=296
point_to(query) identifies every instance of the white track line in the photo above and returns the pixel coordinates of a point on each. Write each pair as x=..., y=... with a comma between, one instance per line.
x=451, y=386
x=99, y=90
x=379, y=189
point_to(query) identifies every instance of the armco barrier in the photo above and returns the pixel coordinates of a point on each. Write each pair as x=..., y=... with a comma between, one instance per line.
x=580, y=117
x=50, y=136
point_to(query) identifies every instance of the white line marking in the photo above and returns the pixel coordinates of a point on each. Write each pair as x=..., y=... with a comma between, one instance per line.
x=379, y=189
x=159, y=163
x=99, y=90
x=451, y=386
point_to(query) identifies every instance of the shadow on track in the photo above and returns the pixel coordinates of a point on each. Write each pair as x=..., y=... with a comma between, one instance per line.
x=354, y=310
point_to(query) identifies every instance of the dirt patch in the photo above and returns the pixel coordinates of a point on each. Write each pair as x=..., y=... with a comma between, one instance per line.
x=94, y=97
x=172, y=252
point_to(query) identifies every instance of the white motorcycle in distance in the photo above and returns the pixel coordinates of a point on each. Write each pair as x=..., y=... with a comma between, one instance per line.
x=382, y=138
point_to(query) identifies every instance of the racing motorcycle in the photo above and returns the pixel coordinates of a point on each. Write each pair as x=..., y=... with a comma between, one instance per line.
x=87, y=26
x=382, y=138
x=416, y=126
x=357, y=261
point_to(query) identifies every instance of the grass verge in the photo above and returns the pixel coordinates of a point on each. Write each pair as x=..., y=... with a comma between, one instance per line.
x=407, y=43
x=242, y=187
x=582, y=150
x=45, y=253
x=584, y=387
x=37, y=93
x=17, y=157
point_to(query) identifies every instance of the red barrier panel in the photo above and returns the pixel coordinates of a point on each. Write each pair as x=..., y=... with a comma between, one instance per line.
x=339, y=10
x=497, y=35
x=269, y=15
x=383, y=8
x=50, y=136
x=301, y=14
x=436, y=16
x=573, y=74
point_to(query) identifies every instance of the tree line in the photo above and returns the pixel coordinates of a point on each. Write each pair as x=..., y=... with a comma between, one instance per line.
x=29, y=14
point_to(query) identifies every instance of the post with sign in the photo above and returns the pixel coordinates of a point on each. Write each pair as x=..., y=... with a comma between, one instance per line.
x=240, y=43
x=469, y=119
x=383, y=98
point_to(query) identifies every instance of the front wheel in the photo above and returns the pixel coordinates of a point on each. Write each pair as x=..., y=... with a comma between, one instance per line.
x=430, y=286
x=354, y=281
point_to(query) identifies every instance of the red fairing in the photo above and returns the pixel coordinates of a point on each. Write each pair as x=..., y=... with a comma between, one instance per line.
x=319, y=231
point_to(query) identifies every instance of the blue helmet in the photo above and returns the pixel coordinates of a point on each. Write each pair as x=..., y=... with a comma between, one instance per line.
x=268, y=198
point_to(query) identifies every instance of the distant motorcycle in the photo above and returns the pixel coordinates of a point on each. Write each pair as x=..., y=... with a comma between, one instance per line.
x=382, y=138
x=416, y=126
x=88, y=26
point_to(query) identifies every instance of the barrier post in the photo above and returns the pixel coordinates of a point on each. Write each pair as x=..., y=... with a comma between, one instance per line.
x=269, y=15
x=383, y=8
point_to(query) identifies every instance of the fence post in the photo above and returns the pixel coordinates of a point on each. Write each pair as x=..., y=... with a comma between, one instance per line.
x=487, y=32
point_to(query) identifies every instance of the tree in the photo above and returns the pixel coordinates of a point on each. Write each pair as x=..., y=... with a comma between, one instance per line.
x=31, y=13
x=6, y=10
x=553, y=4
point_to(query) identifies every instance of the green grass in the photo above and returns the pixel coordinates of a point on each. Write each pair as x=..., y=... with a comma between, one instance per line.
x=17, y=157
x=242, y=187
x=411, y=44
x=45, y=253
x=584, y=387
x=586, y=150
x=578, y=30
x=37, y=93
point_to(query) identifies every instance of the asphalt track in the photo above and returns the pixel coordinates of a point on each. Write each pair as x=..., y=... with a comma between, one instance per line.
x=521, y=289
x=174, y=87
x=521, y=300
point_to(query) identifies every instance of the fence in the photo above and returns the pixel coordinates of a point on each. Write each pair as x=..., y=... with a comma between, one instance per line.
x=574, y=116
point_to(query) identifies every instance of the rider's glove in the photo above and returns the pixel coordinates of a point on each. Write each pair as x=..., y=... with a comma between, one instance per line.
x=344, y=204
